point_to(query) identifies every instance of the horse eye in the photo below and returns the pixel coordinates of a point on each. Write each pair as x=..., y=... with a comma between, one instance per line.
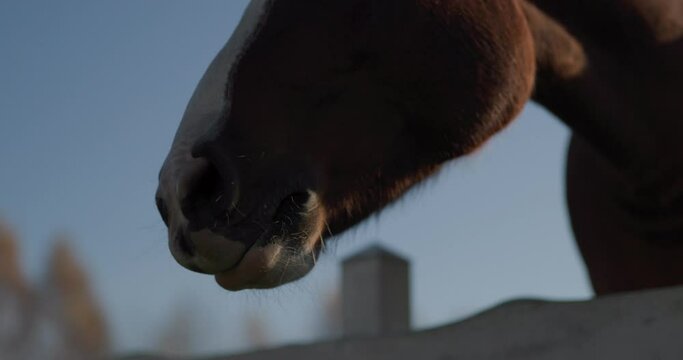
x=163, y=210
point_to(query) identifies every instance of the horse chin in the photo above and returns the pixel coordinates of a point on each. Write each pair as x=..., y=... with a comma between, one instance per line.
x=268, y=267
x=286, y=251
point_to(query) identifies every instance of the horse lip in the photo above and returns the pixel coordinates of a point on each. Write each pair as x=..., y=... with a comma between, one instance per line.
x=269, y=233
x=277, y=226
x=251, y=269
x=266, y=250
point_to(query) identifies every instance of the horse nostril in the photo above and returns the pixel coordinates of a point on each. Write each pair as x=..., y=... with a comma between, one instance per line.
x=206, y=194
x=184, y=243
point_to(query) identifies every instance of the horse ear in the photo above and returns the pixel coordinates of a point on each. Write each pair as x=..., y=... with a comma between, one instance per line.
x=558, y=54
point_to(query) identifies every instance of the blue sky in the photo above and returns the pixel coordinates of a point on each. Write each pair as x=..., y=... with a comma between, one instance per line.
x=90, y=95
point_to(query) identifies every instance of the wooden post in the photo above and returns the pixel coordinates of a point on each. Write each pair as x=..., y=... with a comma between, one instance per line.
x=375, y=293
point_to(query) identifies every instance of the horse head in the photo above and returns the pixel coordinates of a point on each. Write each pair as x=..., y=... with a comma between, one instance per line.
x=319, y=113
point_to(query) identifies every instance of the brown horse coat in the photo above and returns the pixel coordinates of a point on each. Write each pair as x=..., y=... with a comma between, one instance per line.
x=261, y=168
x=625, y=165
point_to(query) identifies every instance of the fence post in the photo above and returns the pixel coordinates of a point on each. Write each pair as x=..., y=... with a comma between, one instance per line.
x=375, y=293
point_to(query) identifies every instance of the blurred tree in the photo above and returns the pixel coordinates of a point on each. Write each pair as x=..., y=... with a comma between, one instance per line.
x=256, y=331
x=71, y=304
x=179, y=334
x=10, y=271
x=17, y=306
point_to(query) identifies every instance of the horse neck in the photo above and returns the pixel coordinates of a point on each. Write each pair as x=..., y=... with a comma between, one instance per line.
x=617, y=96
x=618, y=22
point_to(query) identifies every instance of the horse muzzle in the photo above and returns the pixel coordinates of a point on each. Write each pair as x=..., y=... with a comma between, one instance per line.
x=263, y=245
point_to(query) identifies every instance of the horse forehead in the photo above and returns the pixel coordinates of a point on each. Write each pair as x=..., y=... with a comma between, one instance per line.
x=209, y=99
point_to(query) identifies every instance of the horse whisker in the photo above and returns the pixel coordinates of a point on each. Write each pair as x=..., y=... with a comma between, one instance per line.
x=284, y=269
x=328, y=228
x=322, y=242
